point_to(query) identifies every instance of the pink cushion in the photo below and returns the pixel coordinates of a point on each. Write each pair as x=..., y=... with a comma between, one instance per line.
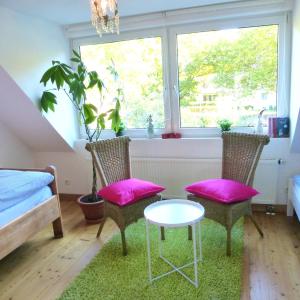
x=129, y=191
x=222, y=190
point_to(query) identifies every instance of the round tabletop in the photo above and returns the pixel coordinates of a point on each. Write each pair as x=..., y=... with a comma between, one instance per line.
x=174, y=213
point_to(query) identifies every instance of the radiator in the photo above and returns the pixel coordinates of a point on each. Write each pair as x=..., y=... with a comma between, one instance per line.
x=176, y=173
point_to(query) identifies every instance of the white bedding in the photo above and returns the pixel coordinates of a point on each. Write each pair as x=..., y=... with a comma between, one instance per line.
x=9, y=214
x=15, y=186
x=21, y=191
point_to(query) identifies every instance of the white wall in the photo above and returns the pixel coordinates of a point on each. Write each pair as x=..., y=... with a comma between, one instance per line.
x=75, y=170
x=295, y=87
x=13, y=153
x=71, y=167
x=27, y=47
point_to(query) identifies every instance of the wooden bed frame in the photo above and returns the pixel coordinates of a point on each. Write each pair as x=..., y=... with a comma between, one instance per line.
x=16, y=232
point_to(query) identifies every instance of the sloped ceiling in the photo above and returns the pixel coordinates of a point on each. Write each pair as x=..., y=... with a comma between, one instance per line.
x=23, y=118
x=66, y=12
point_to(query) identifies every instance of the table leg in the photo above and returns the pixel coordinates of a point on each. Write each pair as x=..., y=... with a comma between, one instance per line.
x=159, y=241
x=200, y=241
x=148, y=251
x=195, y=254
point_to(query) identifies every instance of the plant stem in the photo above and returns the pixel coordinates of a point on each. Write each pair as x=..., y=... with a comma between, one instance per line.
x=94, y=187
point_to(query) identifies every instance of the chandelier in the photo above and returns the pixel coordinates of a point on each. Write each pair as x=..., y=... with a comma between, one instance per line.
x=105, y=16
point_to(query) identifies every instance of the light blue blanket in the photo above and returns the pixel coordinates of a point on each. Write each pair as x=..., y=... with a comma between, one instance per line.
x=24, y=205
x=15, y=186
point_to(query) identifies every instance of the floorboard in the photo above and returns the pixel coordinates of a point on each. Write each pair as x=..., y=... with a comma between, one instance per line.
x=43, y=266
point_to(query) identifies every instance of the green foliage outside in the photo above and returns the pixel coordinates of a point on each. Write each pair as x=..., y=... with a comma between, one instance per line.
x=139, y=65
x=222, y=74
x=252, y=58
x=239, y=66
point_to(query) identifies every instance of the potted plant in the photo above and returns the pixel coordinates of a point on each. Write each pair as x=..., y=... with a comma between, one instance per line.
x=117, y=127
x=225, y=125
x=75, y=83
x=120, y=130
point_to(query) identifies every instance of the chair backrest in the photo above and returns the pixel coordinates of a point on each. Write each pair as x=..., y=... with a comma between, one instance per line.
x=241, y=153
x=111, y=159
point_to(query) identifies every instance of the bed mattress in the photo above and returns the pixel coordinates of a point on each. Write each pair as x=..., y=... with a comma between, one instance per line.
x=20, y=191
x=9, y=214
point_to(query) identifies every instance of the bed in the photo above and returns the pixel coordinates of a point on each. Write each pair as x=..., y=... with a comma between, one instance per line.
x=29, y=201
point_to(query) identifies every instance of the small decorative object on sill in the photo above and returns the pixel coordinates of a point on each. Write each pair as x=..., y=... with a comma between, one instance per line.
x=225, y=125
x=150, y=127
x=259, y=126
x=279, y=127
x=171, y=135
x=120, y=131
x=105, y=16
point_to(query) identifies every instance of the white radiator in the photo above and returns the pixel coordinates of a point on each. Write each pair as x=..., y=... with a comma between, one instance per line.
x=176, y=173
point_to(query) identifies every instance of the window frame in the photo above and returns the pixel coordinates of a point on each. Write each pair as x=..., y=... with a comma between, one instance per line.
x=132, y=35
x=168, y=34
x=282, y=86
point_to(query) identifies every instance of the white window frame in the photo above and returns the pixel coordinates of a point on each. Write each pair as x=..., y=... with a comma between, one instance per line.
x=162, y=33
x=168, y=34
x=283, y=66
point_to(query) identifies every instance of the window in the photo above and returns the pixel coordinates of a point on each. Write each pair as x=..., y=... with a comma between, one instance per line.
x=139, y=65
x=190, y=76
x=228, y=74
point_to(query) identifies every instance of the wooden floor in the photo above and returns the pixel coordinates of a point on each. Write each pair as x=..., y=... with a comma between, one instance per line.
x=43, y=267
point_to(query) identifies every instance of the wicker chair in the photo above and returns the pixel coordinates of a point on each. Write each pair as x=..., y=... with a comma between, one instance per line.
x=241, y=153
x=112, y=161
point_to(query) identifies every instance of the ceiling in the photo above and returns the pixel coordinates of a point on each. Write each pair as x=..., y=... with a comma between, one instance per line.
x=77, y=11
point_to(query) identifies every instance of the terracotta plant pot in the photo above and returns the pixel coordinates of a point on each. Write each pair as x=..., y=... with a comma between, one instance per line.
x=93, y=211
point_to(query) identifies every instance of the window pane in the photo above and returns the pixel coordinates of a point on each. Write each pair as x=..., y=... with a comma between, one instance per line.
x=228, y=74
x=139, y=64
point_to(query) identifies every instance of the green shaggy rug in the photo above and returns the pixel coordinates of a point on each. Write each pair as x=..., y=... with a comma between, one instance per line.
x=113, y=276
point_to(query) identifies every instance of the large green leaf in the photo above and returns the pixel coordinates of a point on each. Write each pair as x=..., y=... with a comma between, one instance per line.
x=76, y=54
x=93, y=79
x=75, y=59
x=48, y=100
x=115, y=117
x=89, y=113
x=58, y=74
x=81, y=70
x=101, y=121
x=77, y=89
x=46, y=76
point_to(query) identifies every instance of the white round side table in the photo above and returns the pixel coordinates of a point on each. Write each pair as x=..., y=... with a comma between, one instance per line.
x=175, y=213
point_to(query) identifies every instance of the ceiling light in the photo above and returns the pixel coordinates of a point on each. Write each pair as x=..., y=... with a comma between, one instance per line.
x=105, y=16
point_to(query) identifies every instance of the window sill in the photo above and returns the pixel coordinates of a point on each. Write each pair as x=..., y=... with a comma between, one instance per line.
x=187, y=133
x=196, y=147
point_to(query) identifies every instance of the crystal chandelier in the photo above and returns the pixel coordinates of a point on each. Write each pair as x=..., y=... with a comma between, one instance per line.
x=105, y=16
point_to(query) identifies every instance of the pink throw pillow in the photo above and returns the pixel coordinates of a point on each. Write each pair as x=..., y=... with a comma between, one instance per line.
x=222, y=190
x=129, y=191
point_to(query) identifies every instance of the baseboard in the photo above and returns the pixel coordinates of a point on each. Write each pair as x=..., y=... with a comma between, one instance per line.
x=68, y=197
x=277, y=208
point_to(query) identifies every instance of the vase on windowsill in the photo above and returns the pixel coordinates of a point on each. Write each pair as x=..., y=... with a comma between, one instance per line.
x=150, y=127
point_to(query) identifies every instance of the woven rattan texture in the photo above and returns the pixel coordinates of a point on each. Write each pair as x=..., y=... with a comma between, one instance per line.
x=113, y=157
x=112, y=161
x=241, y=153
